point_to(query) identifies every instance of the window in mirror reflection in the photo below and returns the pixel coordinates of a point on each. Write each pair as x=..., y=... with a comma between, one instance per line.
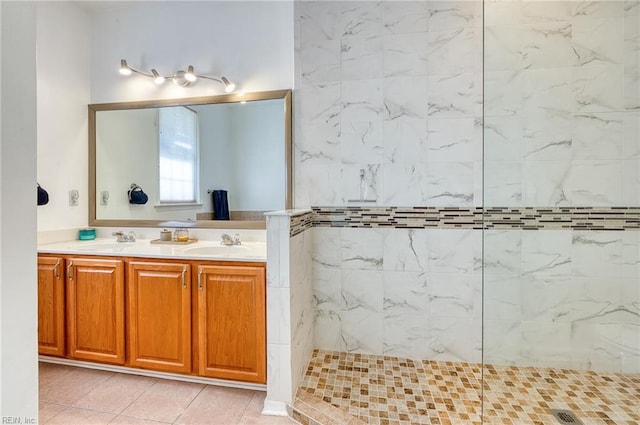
x=178, y=154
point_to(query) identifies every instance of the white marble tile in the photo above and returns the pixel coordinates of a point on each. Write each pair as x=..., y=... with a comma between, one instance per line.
x=327, y=289
x=362, y=331
x=503, y=138
x=279, y=373
x=502, y=48
x=595, y=183
x=405, y=98
x=597, y=40
x=328, y=331
x=451, y=51
x=596, y=9
x=546, y=253
x=503, y=183
x=545, y=11
x=404, y=185
x=273, y=250
x=451, y=294
x=546, y=299
x=451, y=139
x=405, y=293
x=597, y=254
x=362, y=289
x=446, y=15
x=546, y=344
x=362, y=142
x=631, y=182
x=631, y=135
x=320, y=21
x=546, y=45
x=405, y=140
x=318, y=185
x=503, y=93
x=361, y=19
x=405, y=335
x=502, y=342
x=596, y=347
x=598, y=136
x=630, y=352
x=326, y=247
x=547, y=91
x=454, y=251
x=405, y=17
x=362, y=249
x=500, y=12
x=367, y=187
x=318, y=144
x=450, y=183
x=406, y=55
x=451, y=339
x=630, y=262
x=279, y=318
x=320, y=61
x=320, y=104
x=630, y=301
x=451, y=96
x=593, y=299
x=405, y=250
x=362, y=58
x=362, y=100
x=502, y=252
x=544, y=182
x=547, y=135
x=502, y=298
x=631, y=87
x=598, y=88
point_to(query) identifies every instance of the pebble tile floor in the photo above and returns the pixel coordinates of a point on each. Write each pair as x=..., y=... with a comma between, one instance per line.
x=71, y=395
x=394, y=391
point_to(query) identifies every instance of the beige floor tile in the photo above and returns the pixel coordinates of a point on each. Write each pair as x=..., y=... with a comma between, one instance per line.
x=50, y=371
x=48, y=411
x=70, y=387
x=164, y=401
x=252, y=415
x=73, y=416
x=217, y=406
x=116, y=394
x=129, y=420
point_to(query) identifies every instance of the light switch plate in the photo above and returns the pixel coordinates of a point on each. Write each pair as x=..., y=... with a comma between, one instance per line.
x=74, y=195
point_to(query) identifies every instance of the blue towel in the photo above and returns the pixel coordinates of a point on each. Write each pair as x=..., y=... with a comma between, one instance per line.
x=220, y=205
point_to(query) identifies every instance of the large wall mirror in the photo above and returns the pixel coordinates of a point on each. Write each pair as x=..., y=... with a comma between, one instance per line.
x=181, y=152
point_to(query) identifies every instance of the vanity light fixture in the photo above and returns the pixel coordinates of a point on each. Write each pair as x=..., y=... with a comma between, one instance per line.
x=180, y=77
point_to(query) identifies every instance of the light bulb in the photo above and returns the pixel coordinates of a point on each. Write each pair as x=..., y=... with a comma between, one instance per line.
x=157, y=78
x=190, y=74
x=124, y=68
x=228, y=85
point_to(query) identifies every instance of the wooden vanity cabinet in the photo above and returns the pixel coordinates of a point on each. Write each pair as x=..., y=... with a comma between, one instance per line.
x=95, y=309
x=51, y=323
x=231, y=322
x=159, y=315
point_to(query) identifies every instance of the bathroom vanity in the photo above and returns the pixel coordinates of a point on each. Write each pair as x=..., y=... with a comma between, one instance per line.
x=195, y=310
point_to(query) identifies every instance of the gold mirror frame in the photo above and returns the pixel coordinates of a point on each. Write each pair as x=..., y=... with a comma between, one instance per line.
x=226, y=98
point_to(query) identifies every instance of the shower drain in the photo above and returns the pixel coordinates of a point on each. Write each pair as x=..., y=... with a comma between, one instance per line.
x=566, y=417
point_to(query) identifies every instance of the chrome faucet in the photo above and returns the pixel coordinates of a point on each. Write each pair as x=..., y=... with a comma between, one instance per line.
x=121, y=237
x=228, y=240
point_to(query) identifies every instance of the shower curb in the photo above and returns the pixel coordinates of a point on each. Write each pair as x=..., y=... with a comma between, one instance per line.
x=308, y=409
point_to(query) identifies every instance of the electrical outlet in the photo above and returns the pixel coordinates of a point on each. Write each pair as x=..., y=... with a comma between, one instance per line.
x=74, y=194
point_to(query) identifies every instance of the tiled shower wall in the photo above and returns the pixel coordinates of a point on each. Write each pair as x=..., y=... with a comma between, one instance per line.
x=396, y=89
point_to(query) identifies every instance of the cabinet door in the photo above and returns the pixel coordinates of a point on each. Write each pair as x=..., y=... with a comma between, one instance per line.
x=95, y=309
x=51, y=306
x=159, y=316
x=231, y=323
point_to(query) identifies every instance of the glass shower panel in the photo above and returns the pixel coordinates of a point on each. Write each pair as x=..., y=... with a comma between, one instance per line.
x=561, y=268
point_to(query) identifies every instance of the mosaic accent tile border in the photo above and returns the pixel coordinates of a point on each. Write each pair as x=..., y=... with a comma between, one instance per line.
x=524, y=218
x=300, y=223
x=383, y=390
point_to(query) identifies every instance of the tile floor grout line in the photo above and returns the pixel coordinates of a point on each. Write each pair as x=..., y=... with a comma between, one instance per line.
x=187, y=406
x=139, y=395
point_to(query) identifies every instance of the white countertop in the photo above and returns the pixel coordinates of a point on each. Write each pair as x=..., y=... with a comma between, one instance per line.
x=201, y=250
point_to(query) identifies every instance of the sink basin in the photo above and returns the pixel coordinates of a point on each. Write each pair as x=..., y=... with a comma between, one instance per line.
x=216, y=250
x=102, y=246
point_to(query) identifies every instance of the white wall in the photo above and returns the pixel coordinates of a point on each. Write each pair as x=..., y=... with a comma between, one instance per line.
x=63, y=94
x=18, y=323
x=251, y=43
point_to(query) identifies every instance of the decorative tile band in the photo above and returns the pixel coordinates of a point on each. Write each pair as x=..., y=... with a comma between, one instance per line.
x=300, y=223
x=524, y=218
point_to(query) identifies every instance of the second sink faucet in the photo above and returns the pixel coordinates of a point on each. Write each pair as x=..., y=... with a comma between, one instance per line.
x=121, y=237
x=228, y=240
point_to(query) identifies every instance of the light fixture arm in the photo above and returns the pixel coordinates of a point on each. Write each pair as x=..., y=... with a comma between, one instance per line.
x=180, y=77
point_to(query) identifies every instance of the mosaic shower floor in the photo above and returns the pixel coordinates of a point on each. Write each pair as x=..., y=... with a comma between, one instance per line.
x=387, y=390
